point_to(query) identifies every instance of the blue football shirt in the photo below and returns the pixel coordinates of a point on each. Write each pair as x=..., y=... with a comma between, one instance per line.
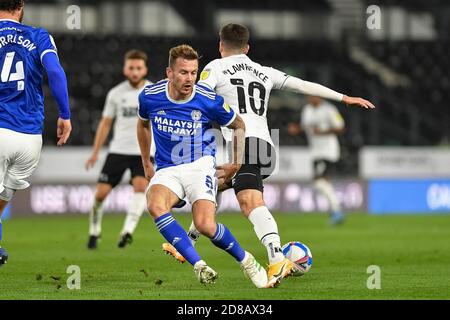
x=182, y=129
x=22, y=48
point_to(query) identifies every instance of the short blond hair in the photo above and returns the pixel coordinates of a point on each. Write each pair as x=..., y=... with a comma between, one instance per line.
x=184, y=51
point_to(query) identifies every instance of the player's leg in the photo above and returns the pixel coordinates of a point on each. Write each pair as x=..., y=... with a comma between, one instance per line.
x=138, y=202
x=164, y=192
x=193, y=233
x=200, y=189
x=3, y=204
x=110, y=176
x=3, y=253
x=5, y=196
x=19, y=157
x=221, y=237
x=264, y=224
x=136, y=207
x=102, y=190
x=322, y=168
x=160, y=201
x=259, y=163
x=248, y=187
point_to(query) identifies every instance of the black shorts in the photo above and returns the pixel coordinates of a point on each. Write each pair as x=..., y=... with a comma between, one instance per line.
x=324, y=168
x=116, y=165
x=259, y=163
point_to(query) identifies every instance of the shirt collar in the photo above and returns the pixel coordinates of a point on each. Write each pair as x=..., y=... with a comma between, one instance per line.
x=11, y=20
x=180, y=101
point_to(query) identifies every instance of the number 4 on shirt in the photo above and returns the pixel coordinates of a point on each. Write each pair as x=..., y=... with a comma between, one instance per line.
x=19, y=75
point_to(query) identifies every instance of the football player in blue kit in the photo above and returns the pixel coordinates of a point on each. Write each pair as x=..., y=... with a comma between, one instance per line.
x=25, y=52
x=181, y=115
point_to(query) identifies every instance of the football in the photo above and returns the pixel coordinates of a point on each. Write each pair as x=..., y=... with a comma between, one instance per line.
x=300, y=254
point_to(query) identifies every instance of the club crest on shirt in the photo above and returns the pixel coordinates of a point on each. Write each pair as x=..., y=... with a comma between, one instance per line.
x=196, y=115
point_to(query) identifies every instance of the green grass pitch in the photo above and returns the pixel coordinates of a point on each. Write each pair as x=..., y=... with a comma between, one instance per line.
x=413, y=253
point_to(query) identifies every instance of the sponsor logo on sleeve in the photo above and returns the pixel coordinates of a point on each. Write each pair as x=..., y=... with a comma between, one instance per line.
x=205, y=74
x=226, y=106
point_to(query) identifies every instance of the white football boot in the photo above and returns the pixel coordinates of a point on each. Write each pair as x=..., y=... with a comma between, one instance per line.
x=254, y=270
x=205, y=274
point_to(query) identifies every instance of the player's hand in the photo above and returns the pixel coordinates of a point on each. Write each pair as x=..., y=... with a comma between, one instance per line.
x=91, y=161
x=293, y=129
x=226, y=172
x=359, y=102
x=148, y=169
x=63, y=129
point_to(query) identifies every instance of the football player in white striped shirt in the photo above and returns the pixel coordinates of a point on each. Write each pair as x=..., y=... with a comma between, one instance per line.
x=124, y=153
x=322, y=122
x=246, y=86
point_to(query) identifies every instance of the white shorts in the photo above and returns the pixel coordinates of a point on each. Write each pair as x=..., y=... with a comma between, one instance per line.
x=195, y=180
x=19, y=156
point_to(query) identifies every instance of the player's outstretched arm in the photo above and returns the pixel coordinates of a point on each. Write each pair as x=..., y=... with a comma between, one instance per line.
x=227, y=171
x=58, y=86
x=359, y=102
x=144, y=136
x=103, y=129
x=314, y=89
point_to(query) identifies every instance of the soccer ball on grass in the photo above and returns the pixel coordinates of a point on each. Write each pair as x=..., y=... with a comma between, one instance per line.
x=300, y=255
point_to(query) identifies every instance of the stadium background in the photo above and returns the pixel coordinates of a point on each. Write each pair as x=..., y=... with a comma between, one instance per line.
x=398, y=60
x=395, y=159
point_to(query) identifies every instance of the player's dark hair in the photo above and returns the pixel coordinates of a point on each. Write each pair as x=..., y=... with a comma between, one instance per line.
x=136, y=54
x=182, y=51
x=235, y=36
x=11, y=5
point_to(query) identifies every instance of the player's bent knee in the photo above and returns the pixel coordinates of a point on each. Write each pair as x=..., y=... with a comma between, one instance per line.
x=155, y=213
x=247, y=209
x=157, y=209
x=102, y=192
x=206, y=228
x=100, y=198
x=204, y=217
x=139, y=185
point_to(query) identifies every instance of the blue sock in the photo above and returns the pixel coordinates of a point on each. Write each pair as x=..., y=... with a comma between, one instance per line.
x=226, y=241
x=176, y=235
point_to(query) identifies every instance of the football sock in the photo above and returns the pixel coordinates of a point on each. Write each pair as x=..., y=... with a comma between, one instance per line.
x=266, y=230
x=135, y=209
x=95, y=218
x=327, y=190
x=224, y=240
x=1, y=230
x=193, y=234
x=175, y=235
